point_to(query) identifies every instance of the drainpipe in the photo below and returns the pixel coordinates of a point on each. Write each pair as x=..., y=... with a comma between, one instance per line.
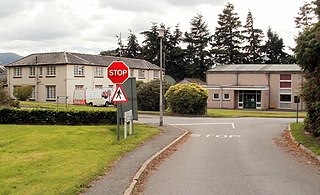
x=220, y=96
x=269, y=97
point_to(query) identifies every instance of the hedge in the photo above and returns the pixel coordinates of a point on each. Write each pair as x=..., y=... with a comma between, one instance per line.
x=56, y=117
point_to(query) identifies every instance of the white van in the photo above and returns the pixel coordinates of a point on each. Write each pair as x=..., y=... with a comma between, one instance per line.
x=93, y=97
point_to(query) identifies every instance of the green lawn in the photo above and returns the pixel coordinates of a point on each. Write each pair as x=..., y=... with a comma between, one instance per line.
x=306, y=139
x=49, y=105
x=252, y=113
x=59, y=159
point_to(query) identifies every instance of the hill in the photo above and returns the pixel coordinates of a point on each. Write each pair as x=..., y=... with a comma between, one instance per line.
x=6, y=58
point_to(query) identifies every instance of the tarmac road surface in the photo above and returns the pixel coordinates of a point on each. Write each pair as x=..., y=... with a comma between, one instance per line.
x=231, y=156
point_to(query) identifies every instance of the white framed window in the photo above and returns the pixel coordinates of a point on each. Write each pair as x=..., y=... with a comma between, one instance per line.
x=17, y=72
x=98, y=86
x=226, y=96
x=78, y=86
x=98, y=72
x=32, y=71
x=40, y=71
x=51, y=92
x=216, y=96
x=141, y=74
x=156, y=73
x=78, y=71
x=51, y=71
x=33, y=94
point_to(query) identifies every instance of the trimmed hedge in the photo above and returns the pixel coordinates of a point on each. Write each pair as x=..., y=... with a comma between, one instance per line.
x=56, y=117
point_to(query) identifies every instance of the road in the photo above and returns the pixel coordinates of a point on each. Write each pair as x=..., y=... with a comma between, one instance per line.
x=231, y=156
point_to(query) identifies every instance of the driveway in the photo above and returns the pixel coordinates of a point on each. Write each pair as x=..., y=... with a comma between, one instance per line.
x=231, y=156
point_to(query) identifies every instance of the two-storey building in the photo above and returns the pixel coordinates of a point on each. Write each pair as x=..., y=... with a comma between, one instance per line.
x=58, y=74
x=254, y=86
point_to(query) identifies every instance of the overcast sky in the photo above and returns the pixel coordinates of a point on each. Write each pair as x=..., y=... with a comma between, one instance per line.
x=90, y=26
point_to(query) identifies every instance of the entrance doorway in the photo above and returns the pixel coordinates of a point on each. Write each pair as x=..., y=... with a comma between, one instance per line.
x=249, y=99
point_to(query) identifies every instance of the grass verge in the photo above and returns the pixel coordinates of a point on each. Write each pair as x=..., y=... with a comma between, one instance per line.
x=253, y=113
x=60, y=159
x=306, y=139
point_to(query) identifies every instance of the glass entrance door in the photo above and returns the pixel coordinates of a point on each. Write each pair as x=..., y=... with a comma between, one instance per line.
x=249, y=101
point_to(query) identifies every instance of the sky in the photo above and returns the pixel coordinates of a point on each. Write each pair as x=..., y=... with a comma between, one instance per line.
x=91, y=26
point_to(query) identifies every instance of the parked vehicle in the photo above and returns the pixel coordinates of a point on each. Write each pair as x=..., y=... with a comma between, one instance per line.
x=93, y=97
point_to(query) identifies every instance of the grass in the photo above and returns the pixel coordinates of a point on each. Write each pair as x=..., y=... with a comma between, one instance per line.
x=306, y=139
x=49, y=105
x=252, y=113
x=60, y=159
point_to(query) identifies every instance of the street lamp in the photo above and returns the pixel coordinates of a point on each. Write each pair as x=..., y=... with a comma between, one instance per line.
x=161, y=35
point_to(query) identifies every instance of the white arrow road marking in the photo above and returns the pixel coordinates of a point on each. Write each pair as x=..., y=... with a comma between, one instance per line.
x=217, y=136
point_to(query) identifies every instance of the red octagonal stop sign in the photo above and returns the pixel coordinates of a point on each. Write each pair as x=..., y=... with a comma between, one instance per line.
x=118, y=72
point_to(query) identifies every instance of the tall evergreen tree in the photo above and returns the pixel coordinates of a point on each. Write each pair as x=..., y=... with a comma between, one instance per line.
x=133, y=49
x=151, y=45
x=305, y=16
x=226, y=46
x=175, y=56
x=273, y=49
x=198, y=58
x=253, y=38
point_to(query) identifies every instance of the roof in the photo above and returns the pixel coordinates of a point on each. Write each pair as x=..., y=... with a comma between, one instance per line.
x=192, y=80
x=65, y=58
x=257, y=68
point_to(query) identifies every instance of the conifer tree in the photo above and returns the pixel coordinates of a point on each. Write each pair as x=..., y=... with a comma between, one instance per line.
x=198, y=58
x=151, y=45
x=273, y=49
x=305, y=16
x=253, y=38
x=226, y=46
x=133, y=48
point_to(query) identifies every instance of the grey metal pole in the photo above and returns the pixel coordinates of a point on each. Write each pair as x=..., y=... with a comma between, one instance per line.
x=161, y=103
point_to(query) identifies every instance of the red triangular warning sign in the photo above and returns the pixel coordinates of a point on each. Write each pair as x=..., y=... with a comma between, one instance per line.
x=119, y=95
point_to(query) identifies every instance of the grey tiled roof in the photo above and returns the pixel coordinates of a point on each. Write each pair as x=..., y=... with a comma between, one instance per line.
x=257, y=68
x=62, y=58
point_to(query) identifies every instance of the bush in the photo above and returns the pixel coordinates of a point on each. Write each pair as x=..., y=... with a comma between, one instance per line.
x=56, y=117
x=148, y=95
x=22, y=92
x=5, y=99
x=187, y=99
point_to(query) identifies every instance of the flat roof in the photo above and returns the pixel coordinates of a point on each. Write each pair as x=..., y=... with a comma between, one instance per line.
x=257, y=68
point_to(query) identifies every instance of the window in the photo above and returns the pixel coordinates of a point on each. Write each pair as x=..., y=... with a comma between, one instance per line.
x=33, y=94
x=78, y=87
x=78, y=70
x=98, y=86
x=285, y=85
x=285, y=98
x=141, y=74
x=216, y=96
x=51, y=71
x=40, y=71
x=226, y=96
x=98, y=72
x=51, y=92
x=32, y=71
x=156, y=74
x=285, y=77
x=17, y=72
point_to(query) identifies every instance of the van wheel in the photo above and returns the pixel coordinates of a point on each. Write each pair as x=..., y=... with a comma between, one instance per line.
x=107, y=104
x=90, y=104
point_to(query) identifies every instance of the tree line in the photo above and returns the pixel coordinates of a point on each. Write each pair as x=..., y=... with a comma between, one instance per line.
x=231, y=43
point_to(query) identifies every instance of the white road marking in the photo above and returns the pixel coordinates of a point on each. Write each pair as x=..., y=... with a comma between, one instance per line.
x=217, y=136
x=193, y=124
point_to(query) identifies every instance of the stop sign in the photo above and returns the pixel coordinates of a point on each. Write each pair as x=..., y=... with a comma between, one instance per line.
x=118, y=72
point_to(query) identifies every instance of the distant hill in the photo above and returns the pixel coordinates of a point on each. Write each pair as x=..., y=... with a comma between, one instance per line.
x=6, y=58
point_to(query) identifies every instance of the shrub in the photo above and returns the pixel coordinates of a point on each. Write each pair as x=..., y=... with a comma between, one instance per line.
x=5, y=99
x=187, y=99
x=148, y=95
x=22, y=92
x=56, y=117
